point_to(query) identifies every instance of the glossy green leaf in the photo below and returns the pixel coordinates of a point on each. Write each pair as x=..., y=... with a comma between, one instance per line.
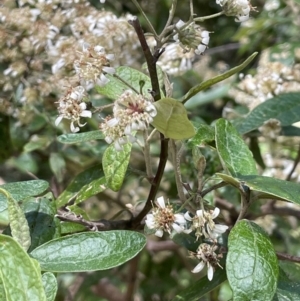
x=115, y=165
x=69, y=228
x=202, y=287
x=80, y=137
x=234, y=154
x=18, y=223
x=284, y=107
x=2, y=291
x=40, y=214
x=171, y=119
x=50, y=285
x=273, y=188
x=22, y=190
x=204, y=133
x=37, y=142
x=94, y=187
x=287, y=290
x=206, y=84
x=82, y=179
x=187, y=241
x=89, y=251
x=58, y=166
x=129, y=78
x=290, y=131
x=19, y=274
x=251, y=264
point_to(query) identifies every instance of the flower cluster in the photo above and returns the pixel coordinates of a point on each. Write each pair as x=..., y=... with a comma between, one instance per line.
x=131, y=113
x=92, y=66
x=163, y=219
x=238, y=8
x=207, y=256
x=203, y=224
x=72, y=106
x=191, y=36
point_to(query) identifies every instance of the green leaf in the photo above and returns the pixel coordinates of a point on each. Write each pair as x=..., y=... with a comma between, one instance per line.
x=80, y=137
x=205, y=133
x=89, y=251
x=69, y=228
x=58, y=166
x=82, y=179
x=206, y=84
x=290, y=131
x=287, y=290
x=202, y=287
x=22, y=190
x=43, y=225
x=94, y=187
x=234, y=154
x=115, y=87
x=18, y=223
x=50, y=286
x=188, y=241
x=115, y=165
x=2, y=291
x=37, y=142
x=273, y=188
x=284, y=107
x=19, y=274
x=172, y=120
x=251, y=264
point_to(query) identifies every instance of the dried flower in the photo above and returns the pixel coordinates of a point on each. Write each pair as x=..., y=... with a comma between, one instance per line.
x=132, y=112
x=191, y=37
x=206, y=253
x=71, y=106
x=203, y=224
x=163, y=219
x=93, y=65
x=238, y=8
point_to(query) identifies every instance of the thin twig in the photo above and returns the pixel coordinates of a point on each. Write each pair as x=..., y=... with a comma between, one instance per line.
x=214, y=187
x=147, y=155
x=289, y=176
x=132, y=278
x=146, y=18
x=170, y=19
x=175, y=155
x=283, y=256
x=201, y=19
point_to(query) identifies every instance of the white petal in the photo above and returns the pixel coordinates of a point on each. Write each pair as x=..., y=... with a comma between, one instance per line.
x=220, y=229
x=74, y=129
x=215, y=213
x=109, y=70
x=177, y=228
x=58, y=120
x=161, y=202
x=187, y=216
x=199, y=213
x=199, y=267
x=112, y=122
x=210, y=272
x=159, y=233
x=179, y=218
x=86, y=113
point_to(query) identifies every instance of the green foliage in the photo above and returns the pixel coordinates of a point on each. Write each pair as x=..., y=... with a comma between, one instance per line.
x=234, y=154
x=284, y=107
x=20, y=275
x=250, y=248
x=115, y=165
x=90, y=251
x=172, y=120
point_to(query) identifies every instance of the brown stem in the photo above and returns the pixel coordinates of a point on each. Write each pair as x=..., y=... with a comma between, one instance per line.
x=283, y=256
x=151, y=63
x=132, y=278
x=289, y=176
